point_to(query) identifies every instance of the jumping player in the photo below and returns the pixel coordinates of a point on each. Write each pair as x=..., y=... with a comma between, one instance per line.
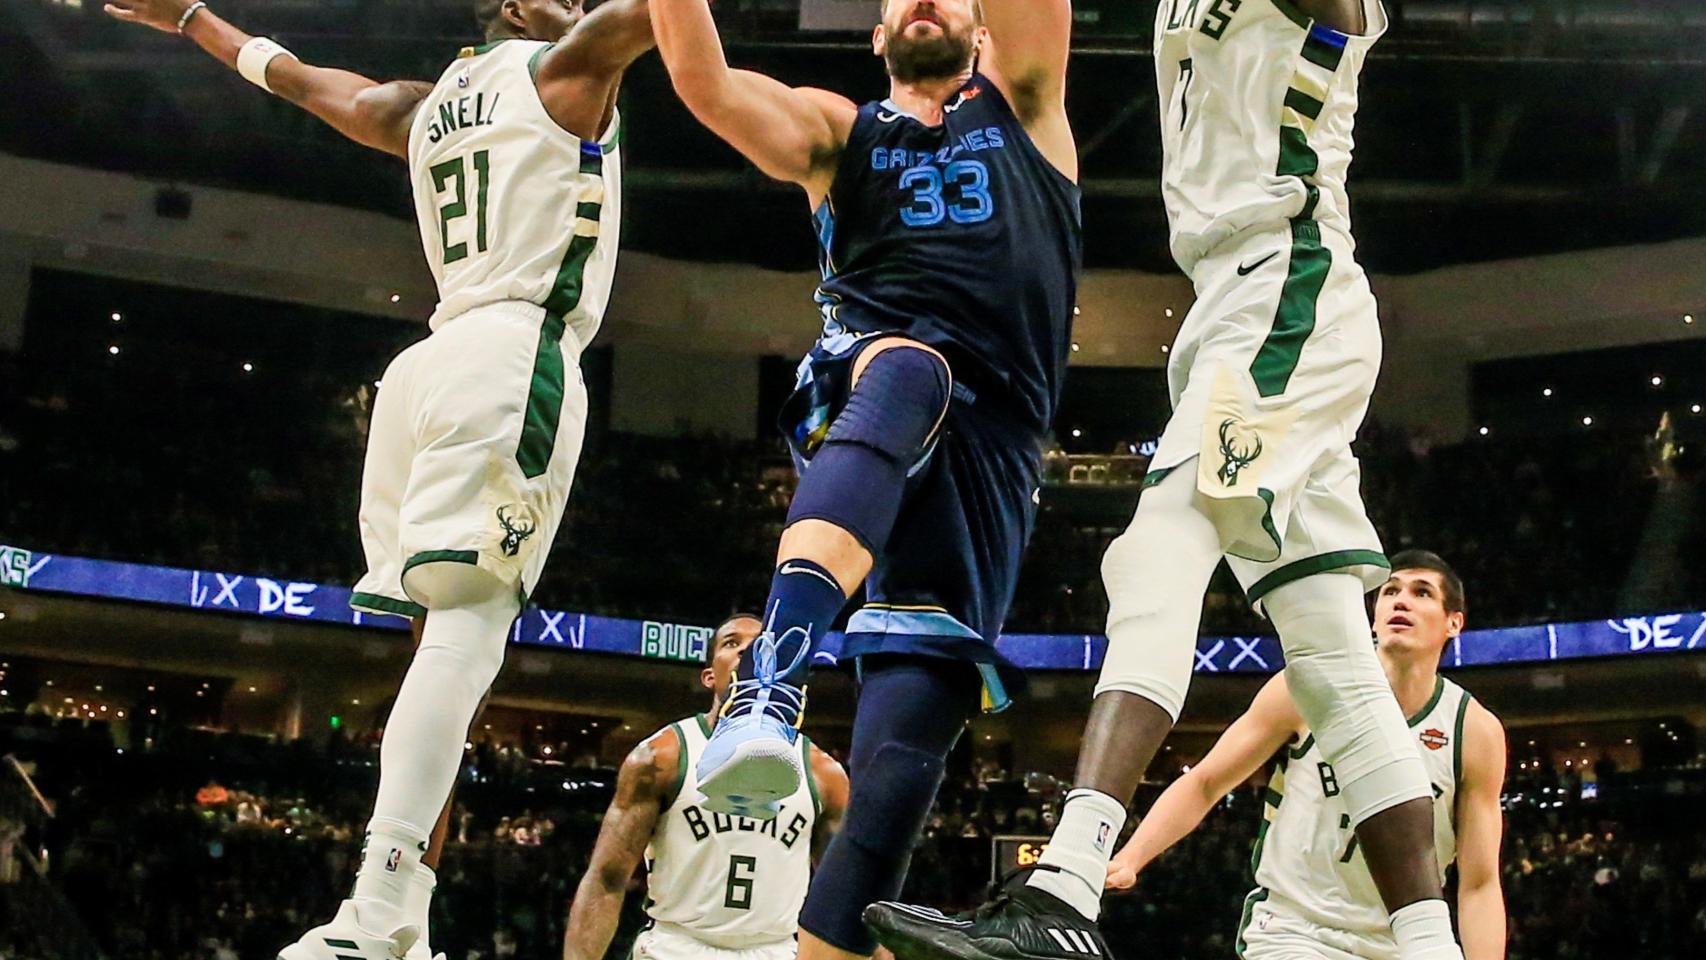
x=718, y=887
x=477, y=429
x=1314, y=898
x=948, y=221
x=1270, y=377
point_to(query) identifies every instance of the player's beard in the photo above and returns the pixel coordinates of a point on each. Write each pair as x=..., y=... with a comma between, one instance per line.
x=937, y=57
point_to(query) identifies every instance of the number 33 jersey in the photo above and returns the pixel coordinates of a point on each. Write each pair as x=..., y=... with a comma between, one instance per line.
x=731, y=882
x=512, y=207
x=962, y=236
x=1257, y=106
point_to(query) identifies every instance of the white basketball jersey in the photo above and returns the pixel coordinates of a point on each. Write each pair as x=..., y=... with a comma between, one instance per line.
x=512, y=206
x=1257, y=104
x=1305, y=851
x=731, y=882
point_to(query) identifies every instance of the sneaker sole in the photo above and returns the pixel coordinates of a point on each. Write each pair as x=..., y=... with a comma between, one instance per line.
x=911, y=937
x=754, y=780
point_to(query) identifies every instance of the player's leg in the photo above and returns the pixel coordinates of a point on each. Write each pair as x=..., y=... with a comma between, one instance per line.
x=911, y=711
x=841, y=517
x=384, y=481
x=1155, y=574
x=1343, y=694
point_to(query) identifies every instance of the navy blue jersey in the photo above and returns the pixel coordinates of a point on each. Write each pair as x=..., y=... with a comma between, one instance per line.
x=961, y=236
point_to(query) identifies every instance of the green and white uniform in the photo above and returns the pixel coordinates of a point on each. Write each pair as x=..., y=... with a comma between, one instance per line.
x=1315, y=897
x=1272, y=370
x=721, y=887
x=476, y=429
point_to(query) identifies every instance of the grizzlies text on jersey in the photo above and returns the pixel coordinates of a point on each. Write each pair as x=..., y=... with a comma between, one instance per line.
x=961, y=236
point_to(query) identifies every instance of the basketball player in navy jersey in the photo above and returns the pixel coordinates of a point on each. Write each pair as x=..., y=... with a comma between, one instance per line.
x=948, y=219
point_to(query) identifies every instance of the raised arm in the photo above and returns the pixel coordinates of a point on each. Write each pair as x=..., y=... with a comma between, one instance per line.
x=372, y=114
x=832, y=794
x=645, y=785
x=792, y=134
x=1271, y=721
x=1480, y=829
x=1029, y=42
x=579, y=77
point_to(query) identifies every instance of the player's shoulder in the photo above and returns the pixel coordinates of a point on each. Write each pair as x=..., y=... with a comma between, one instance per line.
x=1480, y=722
x=658, y=762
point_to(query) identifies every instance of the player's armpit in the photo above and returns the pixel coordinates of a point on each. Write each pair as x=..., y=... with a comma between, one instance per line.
x=1030, y=41
x=791, y=134
x=1346, y=16
x=579, y=76
x=644, y=787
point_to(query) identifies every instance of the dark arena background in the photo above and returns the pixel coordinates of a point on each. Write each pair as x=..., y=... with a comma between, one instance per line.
x=200, y=288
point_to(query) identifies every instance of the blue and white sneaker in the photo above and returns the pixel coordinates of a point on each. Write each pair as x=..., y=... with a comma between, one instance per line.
x=752, y=761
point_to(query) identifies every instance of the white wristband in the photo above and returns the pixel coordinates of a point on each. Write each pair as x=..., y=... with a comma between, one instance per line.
x=253, y=59
x=191, y=11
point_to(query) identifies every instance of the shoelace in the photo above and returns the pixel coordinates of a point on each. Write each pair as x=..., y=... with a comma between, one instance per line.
x=764, y=693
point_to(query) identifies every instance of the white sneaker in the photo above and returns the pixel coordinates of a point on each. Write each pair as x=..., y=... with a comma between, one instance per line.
x=345, y=939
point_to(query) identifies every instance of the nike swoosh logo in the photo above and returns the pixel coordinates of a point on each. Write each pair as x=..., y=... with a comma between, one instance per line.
x=884, y=116
x=789, y=568
x=1252, y=268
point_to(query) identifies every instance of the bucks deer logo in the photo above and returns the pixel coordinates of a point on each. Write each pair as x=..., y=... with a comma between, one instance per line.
x=514, y=532
x=1241, y=445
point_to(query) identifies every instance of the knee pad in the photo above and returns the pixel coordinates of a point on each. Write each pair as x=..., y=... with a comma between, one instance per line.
x=857, y=479
x=1156, y=574
x=897, y=404
x=1337, y=682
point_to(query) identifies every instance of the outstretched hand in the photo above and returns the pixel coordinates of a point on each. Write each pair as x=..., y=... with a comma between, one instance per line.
x=162, y=15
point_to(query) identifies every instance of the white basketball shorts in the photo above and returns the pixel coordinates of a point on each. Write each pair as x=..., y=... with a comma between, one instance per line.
x=1270, y=378
x=475, y=434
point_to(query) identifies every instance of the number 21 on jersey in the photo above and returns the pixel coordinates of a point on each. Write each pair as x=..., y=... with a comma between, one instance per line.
x=451, y=178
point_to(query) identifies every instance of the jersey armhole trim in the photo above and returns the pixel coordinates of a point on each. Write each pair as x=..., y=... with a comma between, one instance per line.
x=1457, y=740
x=680, y=763
x=811, y=778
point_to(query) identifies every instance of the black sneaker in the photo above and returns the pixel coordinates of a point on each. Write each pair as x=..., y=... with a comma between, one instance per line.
x=1021, y=923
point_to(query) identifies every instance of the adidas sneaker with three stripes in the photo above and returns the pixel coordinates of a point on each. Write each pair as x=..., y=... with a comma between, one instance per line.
x=1021, y=923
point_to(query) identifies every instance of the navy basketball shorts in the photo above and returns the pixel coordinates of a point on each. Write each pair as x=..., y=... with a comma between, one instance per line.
x=944, y=582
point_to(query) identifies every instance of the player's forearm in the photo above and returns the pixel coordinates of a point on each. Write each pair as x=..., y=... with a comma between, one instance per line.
x=592, y=920
x=1180, y=809
x=691, y=49
x=329, y=94
x=217, y=36
x=1481, y=921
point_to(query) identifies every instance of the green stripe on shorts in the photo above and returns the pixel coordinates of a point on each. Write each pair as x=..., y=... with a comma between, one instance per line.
x=1277, y=360
x=544, y=401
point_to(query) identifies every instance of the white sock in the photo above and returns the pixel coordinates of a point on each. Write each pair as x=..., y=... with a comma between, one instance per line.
x=1080, y=849
x=390, y=858
x=1423, y=931
x=417, y=907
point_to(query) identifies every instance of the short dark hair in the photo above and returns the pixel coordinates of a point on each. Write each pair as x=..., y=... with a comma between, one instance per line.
x=489, y=14
x=1428, y=560
x=710, y=649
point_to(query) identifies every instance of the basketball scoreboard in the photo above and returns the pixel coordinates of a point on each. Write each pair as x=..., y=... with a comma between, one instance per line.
x=245, y=594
